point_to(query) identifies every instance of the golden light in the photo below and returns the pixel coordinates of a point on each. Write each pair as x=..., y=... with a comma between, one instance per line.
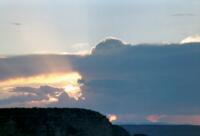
x=74, y=92
x=67, y=81
x=112, y=117
x=54, y=79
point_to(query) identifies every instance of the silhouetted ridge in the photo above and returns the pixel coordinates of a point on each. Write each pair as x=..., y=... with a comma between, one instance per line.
x=54, y=122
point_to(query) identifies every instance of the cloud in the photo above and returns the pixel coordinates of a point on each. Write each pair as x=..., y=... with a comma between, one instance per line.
x=183, y=14
x=149, y=78
x=182, y=119
x=122, y=78
x=30, y=97
x=190, y=39
x=2, y=56
x=54, y=79
x=108, y=46
x=175, y=119
x=155, y=118
x=16, y=23
x=112, y=117
x=31, y=65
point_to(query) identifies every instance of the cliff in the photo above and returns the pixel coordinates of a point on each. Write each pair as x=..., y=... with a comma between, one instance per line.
x=55, y=122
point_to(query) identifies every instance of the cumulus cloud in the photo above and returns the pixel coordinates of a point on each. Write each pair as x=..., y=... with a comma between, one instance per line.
x=122, y=78
x=108, y=46
x=190, y=39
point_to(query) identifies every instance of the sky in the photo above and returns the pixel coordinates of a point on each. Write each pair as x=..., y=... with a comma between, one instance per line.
x=38, y=26
x=136, y=61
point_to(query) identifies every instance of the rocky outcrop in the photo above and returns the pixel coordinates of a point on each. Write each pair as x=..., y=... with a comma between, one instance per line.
x=55, y=122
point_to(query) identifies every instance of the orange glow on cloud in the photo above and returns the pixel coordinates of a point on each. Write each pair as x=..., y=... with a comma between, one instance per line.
x=42, y=102
x=112, y=117
x=55, y=79
x=177, y=119
x=67, y=81
x=155, y=118
x=74, y=91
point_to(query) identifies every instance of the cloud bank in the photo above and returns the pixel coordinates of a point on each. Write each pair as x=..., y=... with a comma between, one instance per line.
x=118, y=78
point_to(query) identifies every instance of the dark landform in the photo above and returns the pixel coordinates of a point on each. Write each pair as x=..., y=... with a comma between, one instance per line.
x=78, y=122
x=56, y=122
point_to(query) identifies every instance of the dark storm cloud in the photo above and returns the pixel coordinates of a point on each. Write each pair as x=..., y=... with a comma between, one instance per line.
x=145, y=78
x=124, y=78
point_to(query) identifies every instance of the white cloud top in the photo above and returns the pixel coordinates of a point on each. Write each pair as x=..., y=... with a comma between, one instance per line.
x=191, y=39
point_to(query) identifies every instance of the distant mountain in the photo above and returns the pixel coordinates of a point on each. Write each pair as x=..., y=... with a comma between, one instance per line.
x=163, y=130
x=56, y=122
